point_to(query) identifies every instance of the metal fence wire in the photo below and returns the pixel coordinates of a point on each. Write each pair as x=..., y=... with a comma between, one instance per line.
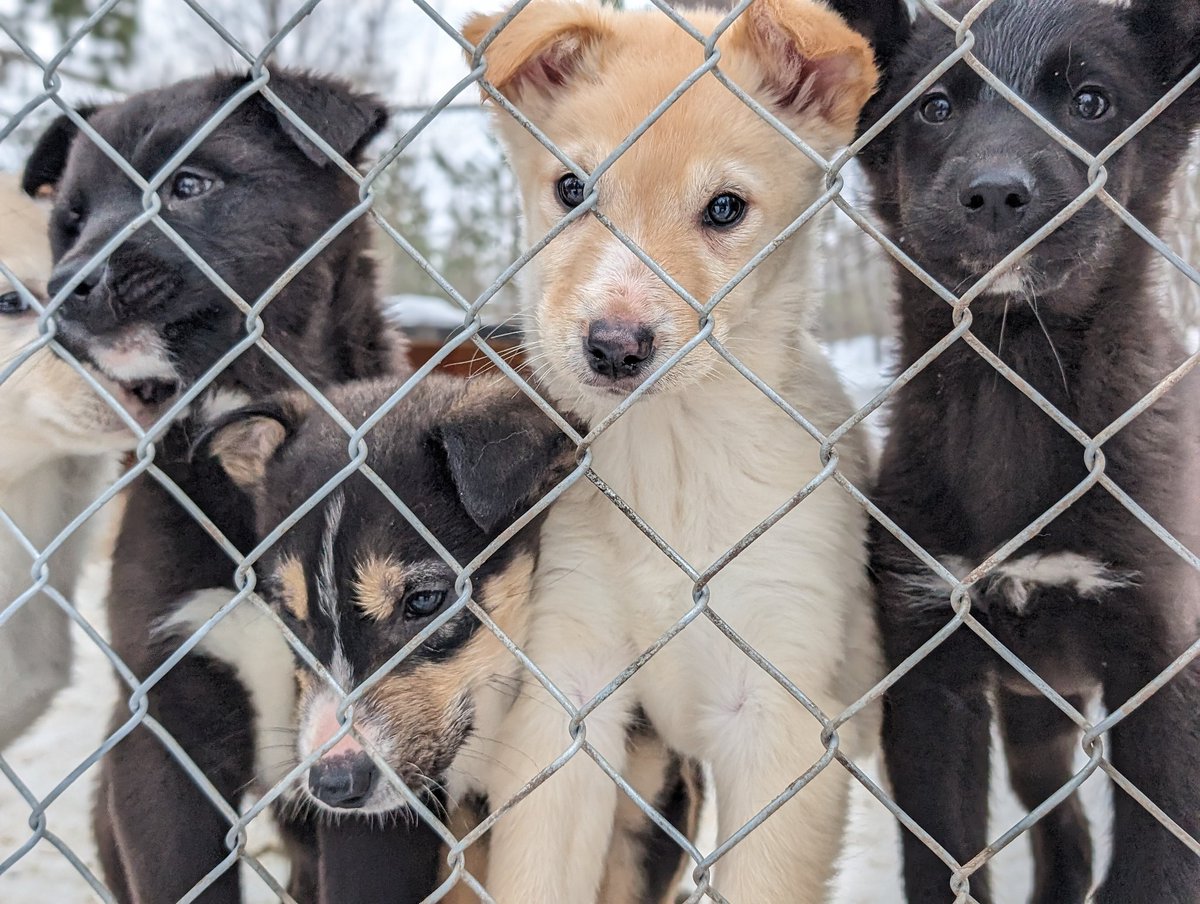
x=41, y=828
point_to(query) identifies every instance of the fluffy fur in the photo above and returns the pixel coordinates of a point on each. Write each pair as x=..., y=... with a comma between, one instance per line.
x=467, y=457
x=253, y=197
x=1094, y=602
x=60, y=442
x=704, y=457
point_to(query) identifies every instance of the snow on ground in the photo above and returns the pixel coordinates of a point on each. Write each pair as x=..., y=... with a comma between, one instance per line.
x=76, y=723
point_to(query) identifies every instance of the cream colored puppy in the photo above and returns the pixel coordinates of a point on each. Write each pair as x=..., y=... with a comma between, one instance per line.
x=704, y=457
x=58, y=450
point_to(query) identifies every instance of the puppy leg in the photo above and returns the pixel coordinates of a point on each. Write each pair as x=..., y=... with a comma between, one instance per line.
x=111, y=867
x=299, y=834
x=551, y=847
x=1040, y=743
x=645, y=865
x=936, y=748
x=1157, y=748
x=169, y=834
x=35, y=664
x=766, y=745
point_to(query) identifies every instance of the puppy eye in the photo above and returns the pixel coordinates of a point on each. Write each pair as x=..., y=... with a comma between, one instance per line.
x=570, y=191
x=423, y=602
x=724, y=210
x=936, y=108
x=189, y=184
x=1090, y=103
x=13, y=303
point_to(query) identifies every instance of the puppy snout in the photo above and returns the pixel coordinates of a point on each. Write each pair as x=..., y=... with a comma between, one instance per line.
x=997, y=198
x=63, y=275
x=618, y=349
x=83, y=305
x=344, y=781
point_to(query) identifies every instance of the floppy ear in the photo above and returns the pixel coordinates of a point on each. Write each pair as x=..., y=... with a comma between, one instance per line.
x=345, y=118
x=885, y=23
x=541, y=49
x=813, y=61
x=44, y=168
x=502, y=453
x=246, y=439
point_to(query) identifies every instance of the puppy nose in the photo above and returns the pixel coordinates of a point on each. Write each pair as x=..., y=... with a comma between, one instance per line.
x=618, y=349
x=63, y=275
x=997, y=199
x=342, y=781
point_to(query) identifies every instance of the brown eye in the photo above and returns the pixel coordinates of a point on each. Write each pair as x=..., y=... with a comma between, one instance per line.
x=570, y=191
x=724, y=210
x=1090, y=103
x=936, y=108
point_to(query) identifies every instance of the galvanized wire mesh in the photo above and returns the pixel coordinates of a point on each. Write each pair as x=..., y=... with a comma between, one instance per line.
x=243, y=561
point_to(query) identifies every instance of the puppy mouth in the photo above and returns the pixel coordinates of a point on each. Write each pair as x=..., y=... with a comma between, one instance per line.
x=145, y=400
x=619, y=387
x=152, y=393
x=382, y=798
x=132, y=364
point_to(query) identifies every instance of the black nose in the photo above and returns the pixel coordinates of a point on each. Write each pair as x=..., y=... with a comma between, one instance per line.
x=997, y=198
x=616, y=349
x=342, y=781
x=63, y=275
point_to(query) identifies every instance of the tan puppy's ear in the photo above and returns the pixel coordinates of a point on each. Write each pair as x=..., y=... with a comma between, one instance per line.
x=244, y=440
x=541, y=49
x=814, y=63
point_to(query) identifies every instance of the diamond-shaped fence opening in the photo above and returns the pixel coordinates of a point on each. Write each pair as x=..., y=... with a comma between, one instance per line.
x=46, y=848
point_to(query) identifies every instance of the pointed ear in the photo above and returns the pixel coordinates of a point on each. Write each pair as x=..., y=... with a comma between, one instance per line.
x=812, y=61
x=501, y=452
x=44, y=168
x=885, y=23
x=1170, y=30
x=345, y=118
x=246, y=439
x=541, y=49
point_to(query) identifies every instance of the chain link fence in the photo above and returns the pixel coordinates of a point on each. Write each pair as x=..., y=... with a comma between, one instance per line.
x=863, y=236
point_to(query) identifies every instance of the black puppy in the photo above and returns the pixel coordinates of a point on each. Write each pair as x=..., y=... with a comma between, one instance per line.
x=355, y=583
x=1095, y=600
x=250, y=200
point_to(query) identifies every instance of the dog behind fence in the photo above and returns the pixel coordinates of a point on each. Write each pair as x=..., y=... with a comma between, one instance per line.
x=498, y=623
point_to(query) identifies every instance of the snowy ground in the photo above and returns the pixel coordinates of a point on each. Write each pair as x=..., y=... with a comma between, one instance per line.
x=76, y=723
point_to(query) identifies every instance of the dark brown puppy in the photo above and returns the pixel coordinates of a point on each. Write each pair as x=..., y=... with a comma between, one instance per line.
x=1095, y=601
x=356, y=583
x=250, y=200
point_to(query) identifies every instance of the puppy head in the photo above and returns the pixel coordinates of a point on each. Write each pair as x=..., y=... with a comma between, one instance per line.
x=702, y=191
x=46, y=408
x=249, y=200
x=963, y=177
x=356, y=582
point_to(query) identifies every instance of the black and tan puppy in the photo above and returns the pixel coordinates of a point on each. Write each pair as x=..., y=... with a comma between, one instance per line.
x=1094, y=602
x=356, y=582
x=249, y=200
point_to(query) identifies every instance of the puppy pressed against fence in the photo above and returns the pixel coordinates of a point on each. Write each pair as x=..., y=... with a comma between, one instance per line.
x=700, y=191
x=501, y=625
x=1092, y=601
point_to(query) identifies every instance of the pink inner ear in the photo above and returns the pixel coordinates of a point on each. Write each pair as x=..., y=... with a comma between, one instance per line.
x=553, y=66
x=792, y=78
x=799, y=82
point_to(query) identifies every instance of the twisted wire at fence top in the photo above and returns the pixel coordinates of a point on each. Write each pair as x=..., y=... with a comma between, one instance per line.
x=709, y=62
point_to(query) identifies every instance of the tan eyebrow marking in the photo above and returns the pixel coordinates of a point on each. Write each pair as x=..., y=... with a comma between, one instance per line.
x=378, y=583
x=294, y=587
